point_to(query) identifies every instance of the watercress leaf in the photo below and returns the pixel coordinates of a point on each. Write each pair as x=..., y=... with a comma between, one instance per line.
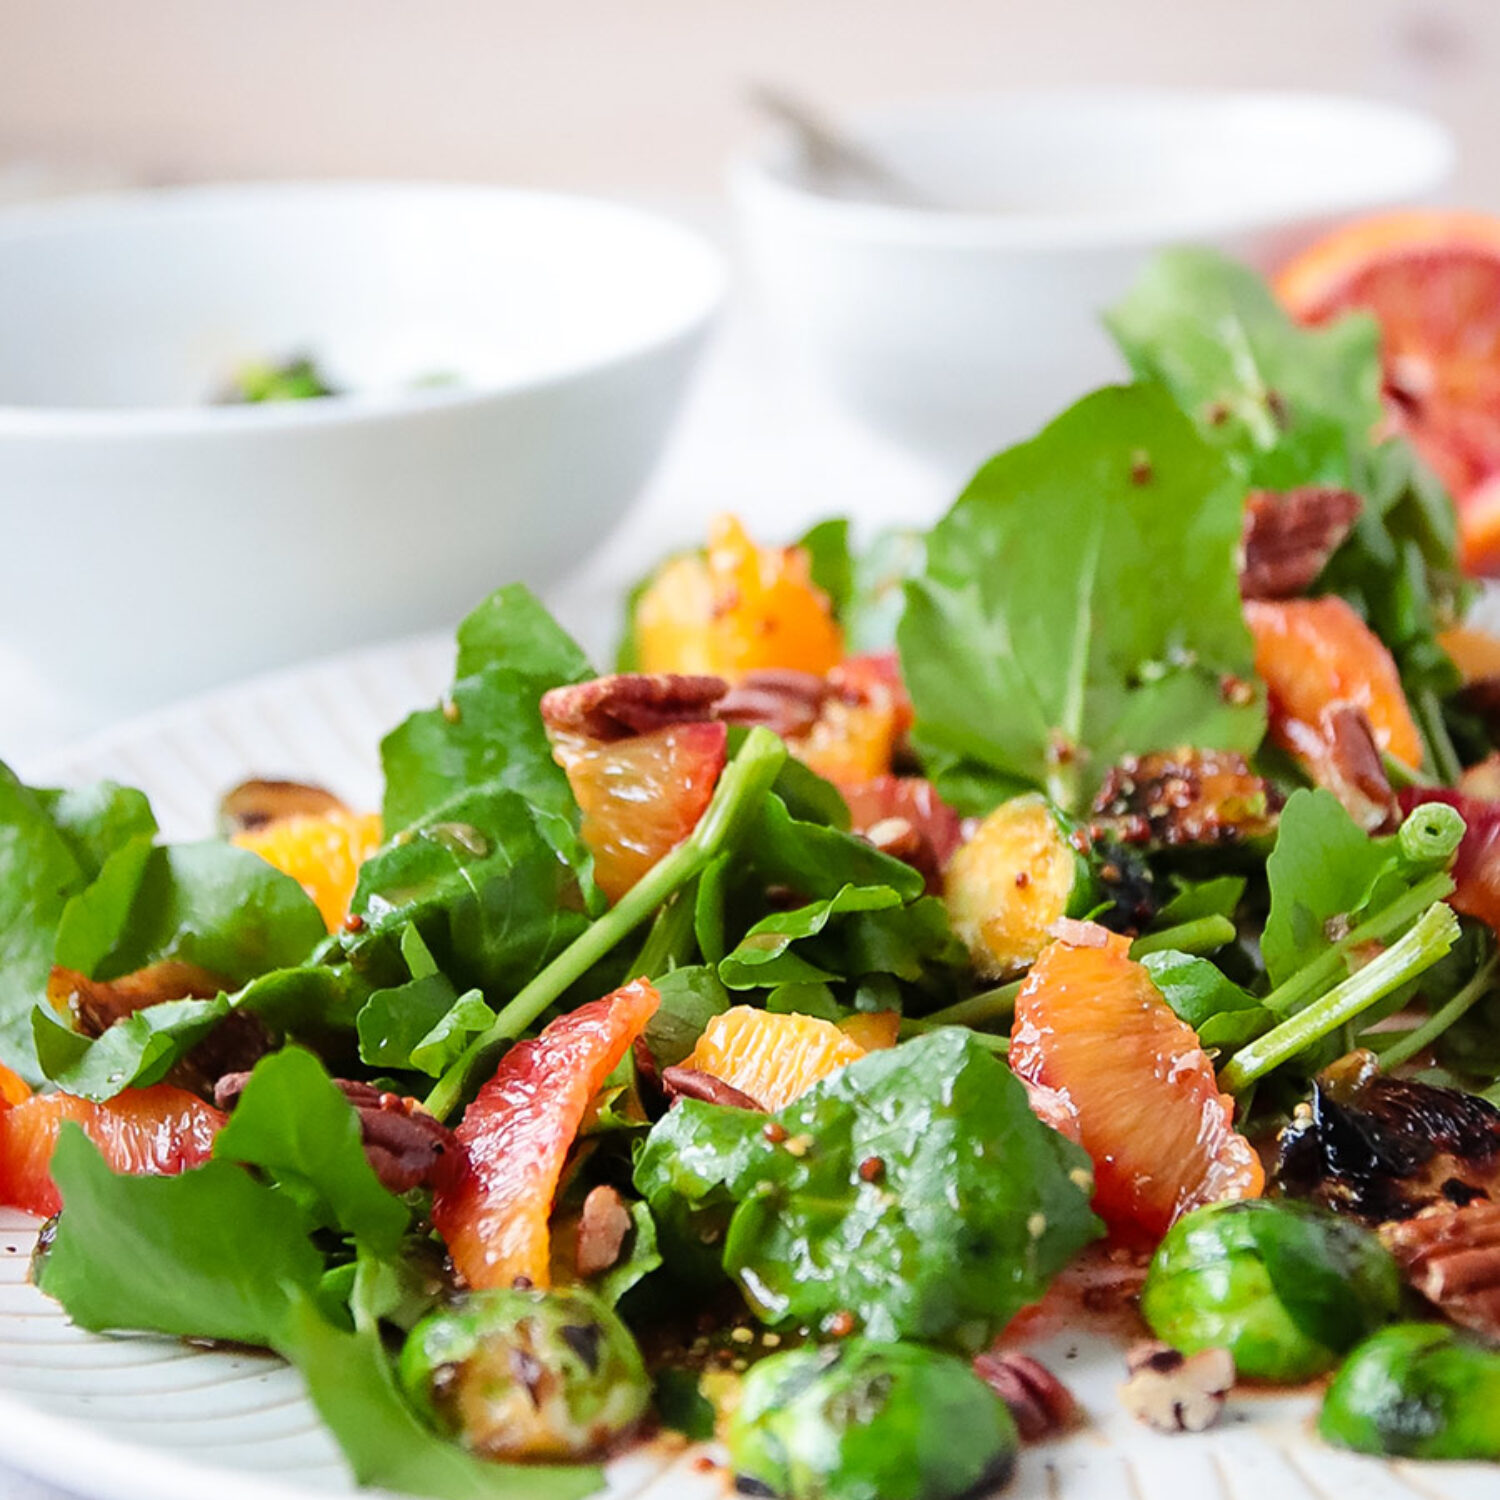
x=830, y=561
x=913, y=943
x=809, y=999
x=944, y=1247
x=817, y=860
x=97, y=819
x=1224, y=1015
x=1288, y=402
x=763, y=956
x=639, y=1261
x=1324, y=866
x=513, y=629
x=445, y=1041
x=877, y=593
x=690, y=998
x=39, y=871
x=135, y=1052
x=350, y=1381
x=211, y=904
x=393, y=1021
x=1048, y=661
x=682, y=1406
x=1217, y=897
x=208, y=1254
x=708, y=908
x=293, y=1123
x=494, y=885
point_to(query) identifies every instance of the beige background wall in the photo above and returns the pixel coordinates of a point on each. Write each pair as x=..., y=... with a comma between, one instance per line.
x=646, y=95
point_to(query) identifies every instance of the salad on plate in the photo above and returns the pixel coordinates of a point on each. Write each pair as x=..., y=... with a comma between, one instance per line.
x=753, y=1043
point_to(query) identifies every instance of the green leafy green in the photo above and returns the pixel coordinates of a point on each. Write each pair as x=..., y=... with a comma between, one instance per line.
x=1223, y=1014
x=97, y=819
x=818, y=860
x=866, y=586
x=1046, y=637
x=136, y=1051
x=766, y=956
x=690, y=998
x=976, y=1205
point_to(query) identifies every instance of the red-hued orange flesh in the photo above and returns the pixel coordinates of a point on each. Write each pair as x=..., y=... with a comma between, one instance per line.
x=494, y=1201
x=641, y=796
x=158, y=1131
x=1092, y=1027
x=13, y=1088
x=1313, y=653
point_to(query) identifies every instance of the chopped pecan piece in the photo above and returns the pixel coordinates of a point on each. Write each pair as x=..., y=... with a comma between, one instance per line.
x=1040, y=1403
x=690, y=1083
x=784, y=701
x=1383, y=1148
x=1347, y=761
x=1173, y=1392
x=254, y=804
x=402, y=1142
x=630, y=703
x=601, y=1230
x=1451, y=1255
x=1288, y=537
x=1173, y=798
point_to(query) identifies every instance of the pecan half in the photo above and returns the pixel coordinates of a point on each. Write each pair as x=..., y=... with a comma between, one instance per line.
x=402, y=1142
x=1288, y=538
x=784, y=701
x=1040, y=1403
x=1173, y=1392
x=602, y=1228
x=630, y=703
x=690, y=1083
x=1451, y=1255
x=1181, y=797
x=254, y=804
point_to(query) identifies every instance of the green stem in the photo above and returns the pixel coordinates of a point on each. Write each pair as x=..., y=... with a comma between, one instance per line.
x=669, y=943
x=1440, y=751
x=911, y=1026
x=741, y=790
x=1201, y=935
x=1435, y=933
x=1420, y=1038
x=978, y=1010
x=1313, y=978
x=1399, y=774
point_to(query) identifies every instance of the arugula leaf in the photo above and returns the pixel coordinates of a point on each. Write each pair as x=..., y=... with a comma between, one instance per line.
x=489, y=730
x=494, y=886
x=209, y=1254
x=211, y=904
x=1223, y=1015
x=292, y=1122
x=690, y=998
x=1046, y=638
x=98, y=819
x=39, y=871
x=1289, y=403
x=977, y=1206
x=349, y=1380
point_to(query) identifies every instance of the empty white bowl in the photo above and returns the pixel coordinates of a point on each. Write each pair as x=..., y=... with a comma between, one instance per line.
x=155, y=543
x=955, y=329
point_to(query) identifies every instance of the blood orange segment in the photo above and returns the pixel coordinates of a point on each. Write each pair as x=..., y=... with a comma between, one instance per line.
x=772, y=1057
x=321, y=851
x=1432, y=281
x=494, y=1200
x=1316, y=653
x=863, y=718
x=158, y=1131
x=1092, y=1027
x=1479, y=529
x=640, y=797
x=13, y=1088
x=738, y=609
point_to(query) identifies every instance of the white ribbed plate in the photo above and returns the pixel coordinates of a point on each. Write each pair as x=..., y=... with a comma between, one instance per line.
x=150, y=1419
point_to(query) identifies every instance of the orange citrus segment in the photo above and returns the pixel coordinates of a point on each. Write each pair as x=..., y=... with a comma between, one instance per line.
x=874, y=1030
x=740, y=608
x=1479, y=529
x=642, y=796
x=1092, y=1027
x=158, y=1131
x=1475, y=652
x=1313, y=653
x=322, y=851
x=13, y=1088
x=772, y=1057
x=494, y=1200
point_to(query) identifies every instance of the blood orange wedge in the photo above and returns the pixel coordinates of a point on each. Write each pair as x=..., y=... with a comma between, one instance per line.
x=1432, y=280
x=1314, y=653
x=13, y=1088
x=158, y=1131
x=640, y=797
x=322, y=851
x=494, y=1200
x=1091, y=1026
x=737, y=609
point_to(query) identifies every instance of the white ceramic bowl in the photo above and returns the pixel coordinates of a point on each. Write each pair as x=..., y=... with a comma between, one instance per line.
x=955, y=330
x=154, y=543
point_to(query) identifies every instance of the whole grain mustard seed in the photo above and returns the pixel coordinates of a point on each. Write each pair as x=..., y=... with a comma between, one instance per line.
x=799, y=1145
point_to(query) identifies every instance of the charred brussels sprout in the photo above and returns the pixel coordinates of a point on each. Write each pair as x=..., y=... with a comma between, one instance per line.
x=868, y=1421
x=1417, y=1390
x=526, y=1375
x=1285, y=1287
x=1009, y=883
